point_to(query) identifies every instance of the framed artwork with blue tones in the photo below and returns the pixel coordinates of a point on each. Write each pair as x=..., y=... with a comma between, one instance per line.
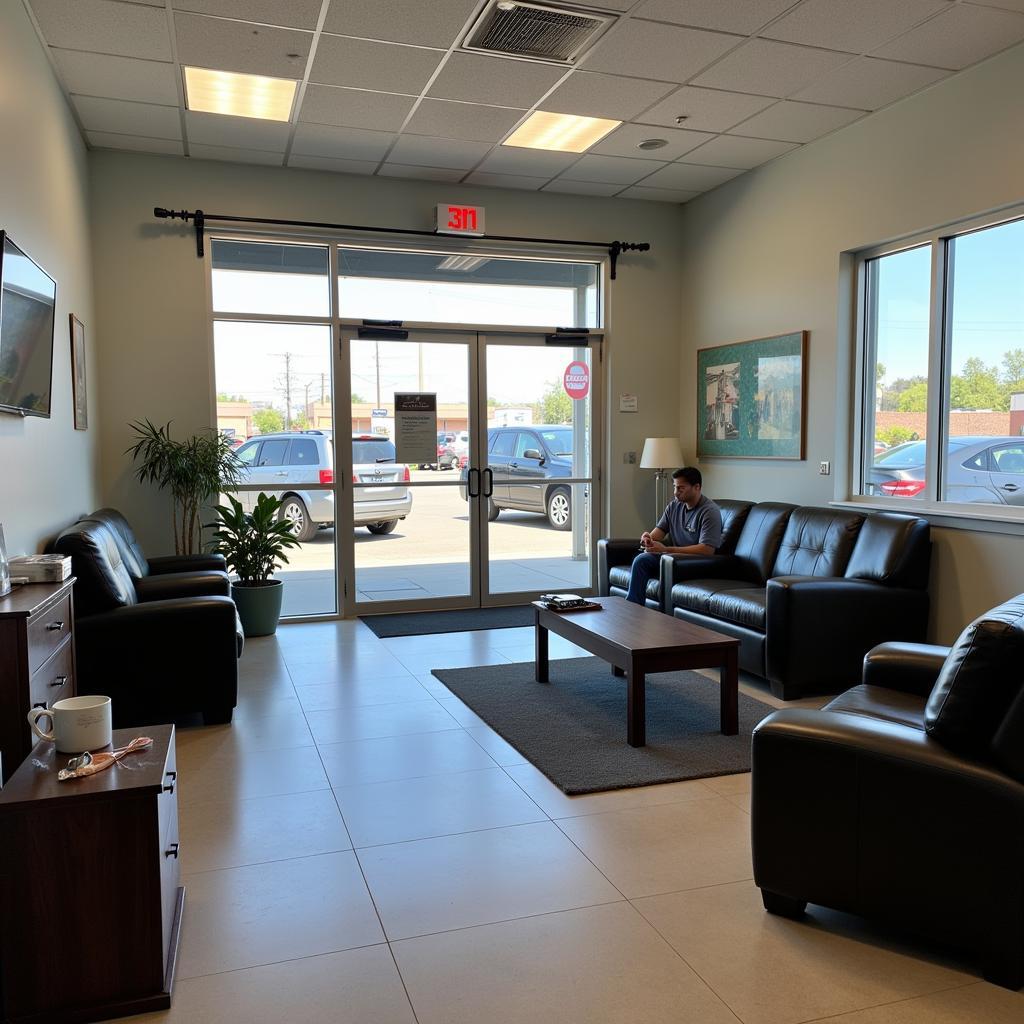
x=752, y=399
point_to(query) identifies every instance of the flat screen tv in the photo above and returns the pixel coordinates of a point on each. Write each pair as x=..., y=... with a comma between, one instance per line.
x=27, y=299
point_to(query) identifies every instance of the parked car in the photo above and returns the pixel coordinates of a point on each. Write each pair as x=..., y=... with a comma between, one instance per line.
x=286, y=461
x=989, y=470
x=447, y=457
x=527, y=462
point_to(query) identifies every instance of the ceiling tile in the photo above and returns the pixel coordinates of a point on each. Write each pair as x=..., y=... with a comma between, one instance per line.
x=658, y=195
x=124, y=118
x=237, y=46
x=624, y=141
x=768, y=68
x=234, y=156
x=436, y=23
x=505, y=180
x=854, y=27
x=742, y=16
x=368, y=65
x=139, y=144
x=354, y=108
x=611, y=96
x=582, y=188
x=106, y=26
x=346, y=143
x=293, y=14
x=423, y=152
x=612, y=169
x=1006, y=5
x=120, y=78
x=868, y=83
x=796, y=122
x=326, y=163
x=958, y=38
x=657, y=51
x=733, y=151
x=706, y=110
x=450, y=120
x=690, y=177
x=238, y=132
x=528, y=162
x=424, y=173
x=480, y=79
x=611, y=5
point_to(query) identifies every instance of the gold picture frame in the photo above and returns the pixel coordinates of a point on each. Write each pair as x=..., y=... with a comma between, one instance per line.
x=80, y=395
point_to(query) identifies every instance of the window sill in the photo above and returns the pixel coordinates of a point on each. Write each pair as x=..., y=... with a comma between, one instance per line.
x=949, y=517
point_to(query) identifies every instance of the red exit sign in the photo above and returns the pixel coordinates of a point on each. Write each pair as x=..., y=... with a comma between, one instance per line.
x=459, y=220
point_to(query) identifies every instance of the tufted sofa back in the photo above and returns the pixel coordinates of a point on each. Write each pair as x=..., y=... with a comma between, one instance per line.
x=817, y=542
x=758, y=542
x=103, y=579
x=734, y=516
x=131, y=554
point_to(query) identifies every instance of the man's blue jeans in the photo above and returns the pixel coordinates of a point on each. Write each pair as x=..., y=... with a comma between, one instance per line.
x=645, y=568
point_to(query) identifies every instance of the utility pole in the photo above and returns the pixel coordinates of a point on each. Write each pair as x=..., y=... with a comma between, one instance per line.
x=323, y=393
x=305, y=407
x=376, y=359
x=287, y=391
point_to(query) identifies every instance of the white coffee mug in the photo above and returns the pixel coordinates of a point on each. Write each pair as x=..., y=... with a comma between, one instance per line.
x=78, y=723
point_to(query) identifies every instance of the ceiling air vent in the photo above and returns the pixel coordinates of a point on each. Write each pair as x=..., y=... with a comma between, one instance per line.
x=544, y=32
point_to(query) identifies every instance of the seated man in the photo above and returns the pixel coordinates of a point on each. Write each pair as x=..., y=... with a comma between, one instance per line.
x=692, y=524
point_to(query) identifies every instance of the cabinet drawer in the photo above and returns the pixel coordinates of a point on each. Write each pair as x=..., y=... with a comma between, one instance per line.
x=170, y=876
x=53, y=681
x=46, y=632
x=167, y=800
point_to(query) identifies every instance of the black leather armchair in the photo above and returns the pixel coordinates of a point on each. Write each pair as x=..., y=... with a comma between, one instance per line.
x=903, y=799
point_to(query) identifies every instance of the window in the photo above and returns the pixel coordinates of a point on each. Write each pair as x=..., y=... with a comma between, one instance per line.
x=272, y=453
x=942, y=346
x=303, y=453
x=503, y=443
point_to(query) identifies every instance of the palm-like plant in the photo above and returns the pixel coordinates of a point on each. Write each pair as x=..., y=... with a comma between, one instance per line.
x=253, y=543
x=193, y=471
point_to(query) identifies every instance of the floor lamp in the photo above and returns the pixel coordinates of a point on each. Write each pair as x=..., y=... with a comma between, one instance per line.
x=660, y=453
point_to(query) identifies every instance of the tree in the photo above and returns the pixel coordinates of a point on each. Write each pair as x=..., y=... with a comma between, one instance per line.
x=1013, y=371
x=357, y=399
x=555, y=405
x=977, y=387
x=889, y=397
x=223, y=396
x=914, y=398
x=267, y=421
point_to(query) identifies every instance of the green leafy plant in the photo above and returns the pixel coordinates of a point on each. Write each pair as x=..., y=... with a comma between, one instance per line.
x=253, y=543
x=193, y=470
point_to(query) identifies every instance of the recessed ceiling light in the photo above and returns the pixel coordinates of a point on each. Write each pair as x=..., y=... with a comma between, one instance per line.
x=652, y=144
x=225, y=92
x=566, y=133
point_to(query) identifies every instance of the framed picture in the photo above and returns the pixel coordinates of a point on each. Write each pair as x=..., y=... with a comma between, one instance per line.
x=78, y=373
x=752, y=399
x=5, y=569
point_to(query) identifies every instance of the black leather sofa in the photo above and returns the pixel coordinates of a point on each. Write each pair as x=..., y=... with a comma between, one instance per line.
x=903, y=799
x=161, y=644
x=807, y=591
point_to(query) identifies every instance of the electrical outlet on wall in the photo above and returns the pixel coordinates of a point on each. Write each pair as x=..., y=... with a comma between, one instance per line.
x=824, y=467
x=629, y=458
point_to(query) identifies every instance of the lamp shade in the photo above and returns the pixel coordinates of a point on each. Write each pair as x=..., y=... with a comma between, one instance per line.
x=661, y=453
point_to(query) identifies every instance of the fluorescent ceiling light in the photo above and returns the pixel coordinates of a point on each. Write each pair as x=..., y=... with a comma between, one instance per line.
x=465, y=263
x=567, y=133
x=225, y=92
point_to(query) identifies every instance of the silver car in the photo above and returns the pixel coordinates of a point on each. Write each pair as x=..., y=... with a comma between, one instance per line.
x=284, y=462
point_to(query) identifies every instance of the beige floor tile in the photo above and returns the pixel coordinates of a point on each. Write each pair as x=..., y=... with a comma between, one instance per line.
x=361, y=693
x=336, y=725
x=557, y=805
x=480, y=877
x=668, y=847
x=272, y=732
x=740, y=800
x=272, y=677
x=361, y=671
x=261, y=914
x=462, y=714
x=359, y=986
x=416, y=662
x=389, y=758
x=222, y=835
x=265, y=704
x=395, y=812
x=729, y=784
x=771, y=970
x=267, y=773
x=601, y=965
x=501, y=750
x=970, y=1004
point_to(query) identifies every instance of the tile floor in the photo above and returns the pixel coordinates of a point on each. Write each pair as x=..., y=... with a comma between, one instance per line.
x=360, y=847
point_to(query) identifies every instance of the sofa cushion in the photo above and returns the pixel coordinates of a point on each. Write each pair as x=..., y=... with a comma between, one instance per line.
x=979, y=681
x=618, y=576
x=103, y=581
x=817, y=542
x=894, y=549
x=131, y=554
x=759, y=540
x=881, y=702
x=730, y=600
x=734, y=515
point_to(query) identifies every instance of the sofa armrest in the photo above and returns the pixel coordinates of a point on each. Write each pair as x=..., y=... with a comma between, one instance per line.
x=613, y=551
x=818, y=629
x=911, y=668
x=186, y=563
x=182, y=584
x=159, y=628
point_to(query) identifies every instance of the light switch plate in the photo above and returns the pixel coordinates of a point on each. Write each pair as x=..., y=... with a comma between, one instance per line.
x=825, y=467
x=629, y=458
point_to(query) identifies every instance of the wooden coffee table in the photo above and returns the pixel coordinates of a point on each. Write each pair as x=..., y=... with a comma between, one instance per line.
x=636, y=640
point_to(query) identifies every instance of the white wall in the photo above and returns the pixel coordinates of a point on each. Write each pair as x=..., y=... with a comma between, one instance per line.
x=152, y=305
x=48, y=470
x=762, y=257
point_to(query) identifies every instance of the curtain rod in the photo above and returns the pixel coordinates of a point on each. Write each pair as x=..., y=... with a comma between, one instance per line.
x=200, y=219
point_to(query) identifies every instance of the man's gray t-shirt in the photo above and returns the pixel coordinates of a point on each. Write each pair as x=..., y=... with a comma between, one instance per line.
x=684, y=526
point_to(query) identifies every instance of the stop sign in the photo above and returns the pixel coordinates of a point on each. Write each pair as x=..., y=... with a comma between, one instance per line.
x=577, y=380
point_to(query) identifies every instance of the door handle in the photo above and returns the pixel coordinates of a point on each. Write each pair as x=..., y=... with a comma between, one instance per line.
x=513, y=465
x=469, y=482
x=281, y=474
x=1009, y=487
x=488, y=482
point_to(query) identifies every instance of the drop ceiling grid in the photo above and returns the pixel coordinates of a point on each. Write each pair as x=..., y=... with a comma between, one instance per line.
x=820, y=59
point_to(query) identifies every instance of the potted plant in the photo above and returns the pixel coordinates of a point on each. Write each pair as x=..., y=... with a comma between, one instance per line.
x=253, y=543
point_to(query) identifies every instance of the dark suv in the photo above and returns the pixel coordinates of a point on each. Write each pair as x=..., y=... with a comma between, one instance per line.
x=527, y=462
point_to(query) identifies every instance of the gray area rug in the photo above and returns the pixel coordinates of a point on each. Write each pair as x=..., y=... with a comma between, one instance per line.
x=574, y=728
x=417, y=623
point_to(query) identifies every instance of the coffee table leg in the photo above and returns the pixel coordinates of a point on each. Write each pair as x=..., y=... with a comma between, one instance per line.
x=636, y=714
x=729, y=686
x=541, y=648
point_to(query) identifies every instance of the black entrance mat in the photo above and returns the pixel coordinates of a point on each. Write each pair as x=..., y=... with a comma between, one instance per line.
x=417, y=623
x=574, y=728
